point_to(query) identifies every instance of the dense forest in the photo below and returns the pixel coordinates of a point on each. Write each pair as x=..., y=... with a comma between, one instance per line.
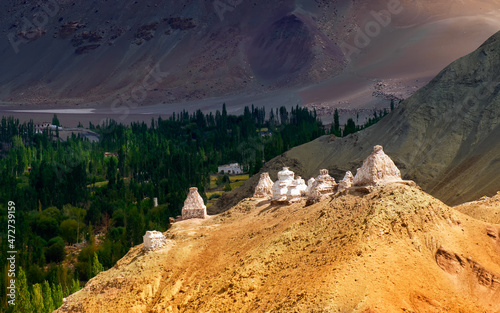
x=81, y=205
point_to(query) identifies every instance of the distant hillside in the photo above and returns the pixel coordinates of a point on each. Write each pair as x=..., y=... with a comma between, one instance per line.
x=75, y=52
x=60, y=53
x=446, y=137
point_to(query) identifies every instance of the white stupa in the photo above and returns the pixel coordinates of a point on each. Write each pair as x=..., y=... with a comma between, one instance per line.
x=296, y=190
x=194, y=206
x=377, y=169
x=264, y=188
x=153, y=240
x=280, y=187
x=346, y=182
x=322, y=185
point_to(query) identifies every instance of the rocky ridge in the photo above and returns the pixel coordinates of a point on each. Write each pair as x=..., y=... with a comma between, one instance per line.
x=395, y=249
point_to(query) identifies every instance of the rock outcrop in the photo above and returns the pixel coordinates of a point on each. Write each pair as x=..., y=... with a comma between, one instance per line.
x=377, y=169
x=297, y=190
x=264, y=188
x=322, y=185
x=194, y=206
x=280, y=187
x=153, y=240
x=346, y=182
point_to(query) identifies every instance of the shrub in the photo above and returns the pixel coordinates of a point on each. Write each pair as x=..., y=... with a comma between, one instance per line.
x=214, y=196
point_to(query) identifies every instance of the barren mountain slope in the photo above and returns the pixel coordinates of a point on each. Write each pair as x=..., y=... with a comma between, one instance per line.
x=157, y=51
x=486, y=209
x=59, y=53
x=445, y=137
x=396, y=249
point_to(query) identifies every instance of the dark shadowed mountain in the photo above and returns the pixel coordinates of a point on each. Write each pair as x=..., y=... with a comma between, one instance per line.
x=60, y=53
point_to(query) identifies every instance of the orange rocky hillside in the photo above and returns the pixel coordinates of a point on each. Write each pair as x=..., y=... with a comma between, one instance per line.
x=387, y=248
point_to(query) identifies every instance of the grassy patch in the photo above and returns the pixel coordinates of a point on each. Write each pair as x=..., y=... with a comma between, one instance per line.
x=235, y=182
x=236, y=178
x=99, y=184
x=210, y=193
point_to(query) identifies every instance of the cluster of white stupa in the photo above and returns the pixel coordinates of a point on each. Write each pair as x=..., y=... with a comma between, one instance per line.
x=377, y=169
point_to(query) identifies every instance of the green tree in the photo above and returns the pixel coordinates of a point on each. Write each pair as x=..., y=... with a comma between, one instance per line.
x=96, y=266
x=350, y=127
x=19, y=154
x=23, y=297
x=69, y=231
x=48, y=301
x=336, y=123
x=74, y=286
x=57, y=295
x=55, y=120
x=37, y=299
x=111, y=172
x=135, y=226
x=54, y=252
x=77, y=214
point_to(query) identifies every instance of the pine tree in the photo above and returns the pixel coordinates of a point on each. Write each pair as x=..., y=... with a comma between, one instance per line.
x=23, y=298
x=336, y=123
x=57, y=295
x=350, y=127
x=96, y=266
x=75, y=286
x=55, y=120
x=48, y=301
x=37, y=299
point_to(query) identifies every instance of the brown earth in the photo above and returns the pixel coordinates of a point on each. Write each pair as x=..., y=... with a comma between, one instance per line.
x=486, y=209
x=395, y=249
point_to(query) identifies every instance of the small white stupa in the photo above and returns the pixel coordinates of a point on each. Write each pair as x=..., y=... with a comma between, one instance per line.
x=377, y=169
x=264, y=188
x=322, y=185
x=296, y=190
x=346, y=182
x=310, y=183
x=194, y=206
x=153, y=240
x=280, y=187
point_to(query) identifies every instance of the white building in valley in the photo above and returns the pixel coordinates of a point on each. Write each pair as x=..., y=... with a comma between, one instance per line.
x=232, y=169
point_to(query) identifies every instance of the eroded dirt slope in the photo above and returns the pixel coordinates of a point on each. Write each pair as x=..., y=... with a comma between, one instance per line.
x=395, y=249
